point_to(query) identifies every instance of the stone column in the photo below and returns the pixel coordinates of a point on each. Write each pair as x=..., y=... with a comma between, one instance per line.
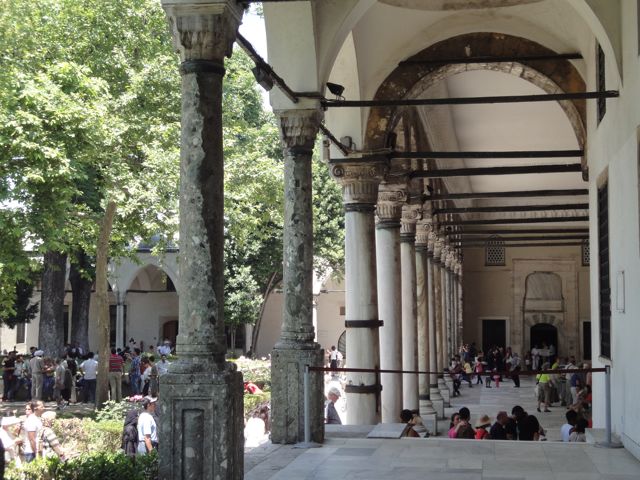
x=437, y=293
x=460, y=303
x=409, y=312
x=391, y=197
x=201, y=412
x=422, y=301
x=360, y=191
x=434, y=391
x=120, y=297
x=296, y=346
x=446, y=316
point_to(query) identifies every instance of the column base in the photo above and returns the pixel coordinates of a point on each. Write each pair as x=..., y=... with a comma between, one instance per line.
x=444, y=391
x=437, y=400
x=287, y=394
x=426, y=407
x=202, y=422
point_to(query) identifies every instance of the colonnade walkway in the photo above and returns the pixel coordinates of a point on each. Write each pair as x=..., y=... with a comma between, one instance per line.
x=439, y=458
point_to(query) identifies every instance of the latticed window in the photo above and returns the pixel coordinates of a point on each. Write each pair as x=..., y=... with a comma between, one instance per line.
x=603, y=271
x=494, y=252
x=586, y=251
x=601, y=82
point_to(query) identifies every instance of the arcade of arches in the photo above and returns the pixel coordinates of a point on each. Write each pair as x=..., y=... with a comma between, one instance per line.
x=428, y=182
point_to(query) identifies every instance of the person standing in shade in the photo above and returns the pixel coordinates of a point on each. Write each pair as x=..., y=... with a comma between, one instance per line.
x=147, y=429
x=134, y=372
x=333, y=357
x=332, y=414
x=90, y=369
x=116, y=367
x=36, y=365
x=516, y=366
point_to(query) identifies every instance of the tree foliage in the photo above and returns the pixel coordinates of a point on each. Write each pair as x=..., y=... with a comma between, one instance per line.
x=90, y=111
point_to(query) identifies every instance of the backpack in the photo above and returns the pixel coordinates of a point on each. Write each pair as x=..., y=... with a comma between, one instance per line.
x=130, y=433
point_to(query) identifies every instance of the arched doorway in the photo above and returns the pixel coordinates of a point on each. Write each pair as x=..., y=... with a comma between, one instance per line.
x=543, y=333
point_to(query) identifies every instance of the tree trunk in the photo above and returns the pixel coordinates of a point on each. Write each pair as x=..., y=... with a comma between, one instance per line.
x=51, y=330
x=273, y=281
x=102, y=299
x=81, y=277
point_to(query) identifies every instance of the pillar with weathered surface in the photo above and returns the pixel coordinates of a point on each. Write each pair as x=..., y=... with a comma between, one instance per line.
x=296, y=346
x=422, y=299
x=460, y=300
x=434, y=392
x=391, y=197
x=360, y=192
x=201, y=412
x=446, y=314
x=409, y=309
x=437, y=293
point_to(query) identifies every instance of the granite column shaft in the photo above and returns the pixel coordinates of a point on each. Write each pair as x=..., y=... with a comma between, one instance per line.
x=201, y=412
x=296, y=346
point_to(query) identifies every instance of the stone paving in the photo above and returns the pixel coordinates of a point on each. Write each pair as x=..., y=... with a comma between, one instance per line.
x=439, y=458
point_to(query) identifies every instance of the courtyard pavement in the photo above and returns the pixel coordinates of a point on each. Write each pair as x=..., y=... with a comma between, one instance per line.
x=439, y=458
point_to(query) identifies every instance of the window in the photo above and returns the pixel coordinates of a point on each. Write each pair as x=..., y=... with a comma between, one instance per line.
x=494, y=252
x=21, y=329
x=343, y=311
x=601, y=82
x=603, y=271
x=586, y=251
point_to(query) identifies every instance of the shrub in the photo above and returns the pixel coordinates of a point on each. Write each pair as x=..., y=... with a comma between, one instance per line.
x=95, y=466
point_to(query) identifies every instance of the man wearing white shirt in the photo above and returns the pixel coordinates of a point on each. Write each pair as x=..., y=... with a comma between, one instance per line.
x=165, y=348
x=565, y=430
x=32, y=426
x=147, y=430
x=90, y=370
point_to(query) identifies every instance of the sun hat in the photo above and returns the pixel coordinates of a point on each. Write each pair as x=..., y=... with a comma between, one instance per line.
x=8, y=421
x=483, y=420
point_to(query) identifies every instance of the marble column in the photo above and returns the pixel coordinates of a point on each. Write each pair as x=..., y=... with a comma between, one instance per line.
x=388, y=212
x=422, y=302
x=296, y=346
x=446, y=315
x=460, y=303
x=409, y=308
x=120, y=298
x=201, y=411
x=434, y=391
x=360, y=191
x=440, y=345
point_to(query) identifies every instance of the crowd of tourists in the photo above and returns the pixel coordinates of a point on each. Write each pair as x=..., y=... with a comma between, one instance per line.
x=71, y=377
x=477, y=368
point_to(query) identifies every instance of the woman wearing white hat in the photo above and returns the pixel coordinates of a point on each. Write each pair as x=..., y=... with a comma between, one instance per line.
x=10, y=438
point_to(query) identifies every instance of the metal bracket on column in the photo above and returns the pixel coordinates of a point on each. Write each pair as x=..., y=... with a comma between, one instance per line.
x=201, y=66
x=376, y=388
x=363, y=323
x=424, y=397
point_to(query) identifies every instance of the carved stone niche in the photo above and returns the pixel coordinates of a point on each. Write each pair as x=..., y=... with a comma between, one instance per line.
x=543, y=292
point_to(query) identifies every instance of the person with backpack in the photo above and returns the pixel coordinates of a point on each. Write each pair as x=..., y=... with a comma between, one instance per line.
x=130, y=433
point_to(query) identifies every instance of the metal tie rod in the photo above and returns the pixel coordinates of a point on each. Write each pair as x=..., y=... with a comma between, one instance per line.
x=549, y=97
x=511, y=170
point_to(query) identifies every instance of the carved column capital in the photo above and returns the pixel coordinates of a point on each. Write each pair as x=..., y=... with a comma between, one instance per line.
x=438, y=247
x=359, y=183
x=411, y=214
x=299, y=128
x=203, y=31
x=391, y=198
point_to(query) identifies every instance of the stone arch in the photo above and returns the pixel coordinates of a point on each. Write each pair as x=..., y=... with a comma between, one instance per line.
x=125, y=273
x=412, y=80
